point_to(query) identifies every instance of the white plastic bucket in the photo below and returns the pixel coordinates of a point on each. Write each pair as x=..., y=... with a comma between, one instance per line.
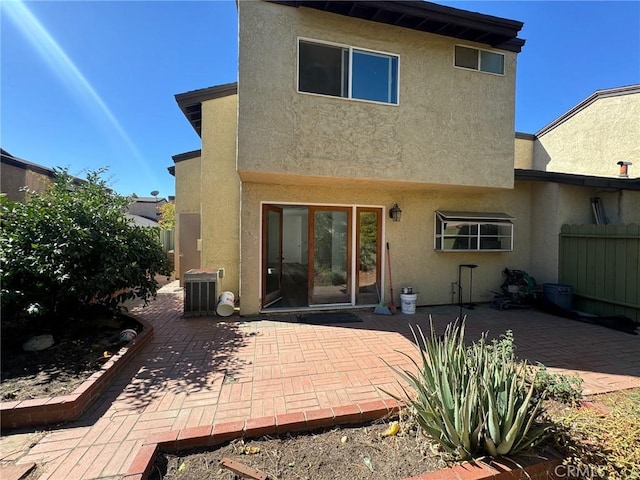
x=225, y=304
x=408, y=303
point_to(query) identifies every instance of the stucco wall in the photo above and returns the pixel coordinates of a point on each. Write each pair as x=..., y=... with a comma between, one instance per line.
x=188, y=182
x=14, y=178
x=452, y=127
x=220, y=191
x=629, y=207
x=414, y=260
x=553, y=205
x=593, y=140
x=544, y=231
x=524, y=153
x=621, y=206
x=187, y=177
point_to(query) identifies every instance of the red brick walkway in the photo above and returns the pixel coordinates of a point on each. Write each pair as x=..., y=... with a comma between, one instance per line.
x=199, y=370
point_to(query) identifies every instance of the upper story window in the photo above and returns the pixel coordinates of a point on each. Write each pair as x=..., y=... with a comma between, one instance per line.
x=342, y=71
x=482, y=60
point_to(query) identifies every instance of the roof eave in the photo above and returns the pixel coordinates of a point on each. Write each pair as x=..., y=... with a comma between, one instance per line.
x=426, y=17
x=17, y=162
x=612, y=183
x=186, y=156
x=191, y=102
x=597, y=95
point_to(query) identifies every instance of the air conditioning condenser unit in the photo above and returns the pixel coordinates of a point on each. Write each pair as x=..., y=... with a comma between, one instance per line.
x=201, y=291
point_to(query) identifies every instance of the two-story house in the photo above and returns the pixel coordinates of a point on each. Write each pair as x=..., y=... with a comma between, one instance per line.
x=353, y=126
x=18, y=176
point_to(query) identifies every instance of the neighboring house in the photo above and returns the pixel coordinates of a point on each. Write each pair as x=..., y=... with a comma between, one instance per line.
x=141, y=221
x=187, y=213
x=18, y=175
x=146, y=207
x=574, y=159
x=344, y=110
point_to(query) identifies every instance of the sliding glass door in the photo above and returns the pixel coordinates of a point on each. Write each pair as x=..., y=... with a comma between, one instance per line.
x=334, y=255
x=271, y=254
x=329, y=255
x=369, y=255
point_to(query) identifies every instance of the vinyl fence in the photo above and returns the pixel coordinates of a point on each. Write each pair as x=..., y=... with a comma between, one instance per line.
x=166, y=240
x=602, y=263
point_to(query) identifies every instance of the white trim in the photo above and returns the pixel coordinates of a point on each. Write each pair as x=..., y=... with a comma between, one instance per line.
x=350, y=48
x=333, y=44
x=479, y=69
x=354, y=207
x=471, y=218
x=350, y=76
x=351, y=99
x=475, y=216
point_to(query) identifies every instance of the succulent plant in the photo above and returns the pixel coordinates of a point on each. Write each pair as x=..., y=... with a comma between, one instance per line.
x=472, y=400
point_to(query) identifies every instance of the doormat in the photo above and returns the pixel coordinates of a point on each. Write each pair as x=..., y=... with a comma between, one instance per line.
x=323, y=318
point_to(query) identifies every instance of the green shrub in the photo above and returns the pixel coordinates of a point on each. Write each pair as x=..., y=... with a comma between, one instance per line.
x=472, y=400
x=564, y=388
x=72, y=247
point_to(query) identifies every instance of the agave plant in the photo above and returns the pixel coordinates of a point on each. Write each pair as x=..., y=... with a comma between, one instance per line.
x=471, y=400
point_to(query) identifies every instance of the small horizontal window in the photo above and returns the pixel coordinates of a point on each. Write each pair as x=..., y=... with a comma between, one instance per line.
x=476, y=59
x=473, y=231
x=341, y=71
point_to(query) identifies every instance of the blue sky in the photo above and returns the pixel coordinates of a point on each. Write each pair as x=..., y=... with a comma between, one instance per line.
x=89, y=84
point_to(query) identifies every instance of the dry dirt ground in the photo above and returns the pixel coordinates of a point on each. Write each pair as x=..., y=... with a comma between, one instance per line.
x=78, y=352
x=348, y=453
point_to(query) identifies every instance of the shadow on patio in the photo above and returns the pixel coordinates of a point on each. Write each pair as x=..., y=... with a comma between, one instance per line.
x=236, y=368
x=185, y=365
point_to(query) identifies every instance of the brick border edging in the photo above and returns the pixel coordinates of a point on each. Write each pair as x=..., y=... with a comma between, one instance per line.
x=65, y=408
x=496, y=469
x=218, y=433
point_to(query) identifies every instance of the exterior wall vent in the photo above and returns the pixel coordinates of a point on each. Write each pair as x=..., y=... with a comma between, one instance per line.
x=201, y=291
x=624, y=169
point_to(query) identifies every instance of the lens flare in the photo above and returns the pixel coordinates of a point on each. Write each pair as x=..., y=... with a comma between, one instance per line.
x=69, y=74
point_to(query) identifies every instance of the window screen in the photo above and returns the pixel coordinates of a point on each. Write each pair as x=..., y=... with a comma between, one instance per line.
x=323, y=69
x=347, y=72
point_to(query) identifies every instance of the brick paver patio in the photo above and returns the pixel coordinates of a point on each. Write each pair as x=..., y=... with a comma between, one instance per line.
x=199, y=370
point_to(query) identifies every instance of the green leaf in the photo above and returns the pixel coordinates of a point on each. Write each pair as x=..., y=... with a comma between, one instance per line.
x=70, y=247
x=470, y=400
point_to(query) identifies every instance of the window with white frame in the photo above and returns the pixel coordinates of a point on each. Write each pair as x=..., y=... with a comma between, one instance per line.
x=473, y=231
x=476, y=59
x=348, y=72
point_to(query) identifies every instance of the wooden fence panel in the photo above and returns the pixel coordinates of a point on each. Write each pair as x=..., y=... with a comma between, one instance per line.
x=633, y=270
x=602, y=263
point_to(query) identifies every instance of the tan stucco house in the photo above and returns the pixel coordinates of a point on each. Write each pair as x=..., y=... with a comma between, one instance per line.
x=343, y=111
x=19, y=176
